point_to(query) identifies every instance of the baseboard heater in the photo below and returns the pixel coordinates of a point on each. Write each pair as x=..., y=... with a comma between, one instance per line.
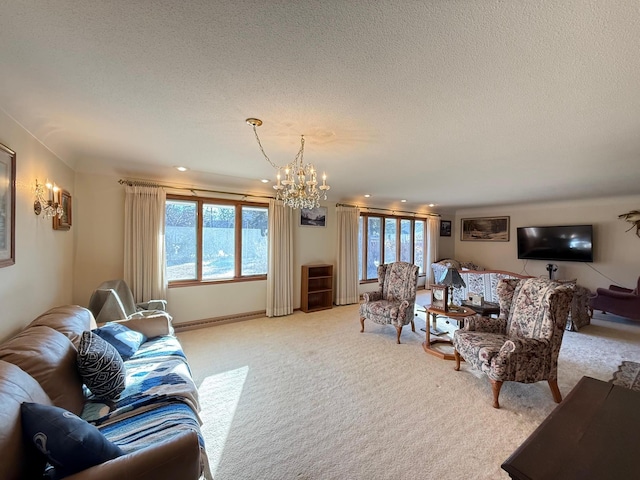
x=209, y=322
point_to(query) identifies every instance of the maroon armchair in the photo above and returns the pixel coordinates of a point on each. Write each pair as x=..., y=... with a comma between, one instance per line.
x=617, y=300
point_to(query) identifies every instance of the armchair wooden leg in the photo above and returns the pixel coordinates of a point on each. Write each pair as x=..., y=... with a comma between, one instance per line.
x=555, y=391
x=399, y=329
x=456, y=357
x=362, y=323
x=413, y=326
x=496, y=386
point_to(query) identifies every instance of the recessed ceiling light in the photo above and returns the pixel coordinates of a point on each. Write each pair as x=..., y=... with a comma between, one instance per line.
x=182, y=169
x=403, y=201
x=366, y=195
x=264, y=180
x=432, y=204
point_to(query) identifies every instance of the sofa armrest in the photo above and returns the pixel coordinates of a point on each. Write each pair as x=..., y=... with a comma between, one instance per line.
x=153, y=325
x=478, y=323
x=152, y=305
x=616, y=288
x=525, y=345
x=372, y=296
x=177, y=457
x=621, y=295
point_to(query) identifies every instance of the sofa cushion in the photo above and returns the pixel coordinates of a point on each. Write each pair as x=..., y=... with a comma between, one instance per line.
x=19, y=458
x=70, y=320
x=125, y=340
x=151, y=326
x=68, y=442
x=50, y=358
x=101, y=367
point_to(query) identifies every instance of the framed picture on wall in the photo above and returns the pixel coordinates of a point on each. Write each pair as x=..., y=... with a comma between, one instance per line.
x=313, y=217
x=7, y=206
x=64, y=222
x=486, y=229
x=445, y=228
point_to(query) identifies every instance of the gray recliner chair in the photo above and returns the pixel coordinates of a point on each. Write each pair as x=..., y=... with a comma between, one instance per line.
x=113, y=301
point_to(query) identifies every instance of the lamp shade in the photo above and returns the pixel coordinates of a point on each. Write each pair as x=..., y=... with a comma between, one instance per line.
x=452, y=278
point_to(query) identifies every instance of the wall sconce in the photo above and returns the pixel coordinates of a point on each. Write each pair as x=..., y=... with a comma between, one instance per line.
x=45, y=202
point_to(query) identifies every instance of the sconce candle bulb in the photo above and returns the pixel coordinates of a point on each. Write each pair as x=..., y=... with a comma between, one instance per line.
x=48, y=207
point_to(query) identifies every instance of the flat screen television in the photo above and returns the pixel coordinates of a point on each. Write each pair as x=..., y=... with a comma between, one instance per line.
x=568, y=243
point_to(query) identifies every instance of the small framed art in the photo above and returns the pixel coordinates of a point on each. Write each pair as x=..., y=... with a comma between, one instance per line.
x=439, y=297
x=313, y=217
x=445, y=228
x=64, y=222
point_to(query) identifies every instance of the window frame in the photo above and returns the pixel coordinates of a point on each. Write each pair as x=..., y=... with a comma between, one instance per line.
x=238, y=277
x=364, y=247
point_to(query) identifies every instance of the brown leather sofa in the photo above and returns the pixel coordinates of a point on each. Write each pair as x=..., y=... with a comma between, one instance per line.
x=39, y=365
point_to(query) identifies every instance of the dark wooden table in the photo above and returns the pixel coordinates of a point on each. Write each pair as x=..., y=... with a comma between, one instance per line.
x=486, y=309
x=593, y=434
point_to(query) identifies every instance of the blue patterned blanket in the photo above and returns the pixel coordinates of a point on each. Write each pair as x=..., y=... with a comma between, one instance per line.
x=160, y=399
x=157, y=374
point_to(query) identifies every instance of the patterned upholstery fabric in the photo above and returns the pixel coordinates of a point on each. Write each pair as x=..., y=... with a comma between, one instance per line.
x=523, y=344
x=394, y=302
x=440, y=268
x=100, y=366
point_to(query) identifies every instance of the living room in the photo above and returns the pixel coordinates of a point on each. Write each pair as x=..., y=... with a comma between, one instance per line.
x=495, y=160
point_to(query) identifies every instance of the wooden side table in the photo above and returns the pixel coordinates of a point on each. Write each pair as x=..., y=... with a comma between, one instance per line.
x=429, y=343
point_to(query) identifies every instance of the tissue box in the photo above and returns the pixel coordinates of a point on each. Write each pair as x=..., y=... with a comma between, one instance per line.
x=476, y=299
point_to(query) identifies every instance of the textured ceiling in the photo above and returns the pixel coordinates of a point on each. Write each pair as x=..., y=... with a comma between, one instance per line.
x=458, y=103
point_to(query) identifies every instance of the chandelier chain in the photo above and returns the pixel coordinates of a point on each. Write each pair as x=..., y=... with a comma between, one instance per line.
x=299, y=188
x=299, y=155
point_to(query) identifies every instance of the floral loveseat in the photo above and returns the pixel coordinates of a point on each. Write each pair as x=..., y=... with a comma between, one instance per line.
x=152, y=426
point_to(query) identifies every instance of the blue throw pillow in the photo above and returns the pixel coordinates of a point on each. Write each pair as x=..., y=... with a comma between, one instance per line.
x=69, y=443
x=100, y=366
x=125, y=340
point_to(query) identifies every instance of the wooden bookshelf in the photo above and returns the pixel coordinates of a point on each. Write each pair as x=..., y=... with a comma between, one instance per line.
x=317, y=287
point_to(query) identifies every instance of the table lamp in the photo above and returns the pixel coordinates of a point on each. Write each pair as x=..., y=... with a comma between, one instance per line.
x=452, y=279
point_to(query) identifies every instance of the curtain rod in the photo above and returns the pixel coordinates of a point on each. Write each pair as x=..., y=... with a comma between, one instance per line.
x=389, y=210
x=148, y=183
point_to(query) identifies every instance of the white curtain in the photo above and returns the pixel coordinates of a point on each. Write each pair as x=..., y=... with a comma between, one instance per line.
x=280, y=270
x=144, y=261
x=347, y=271
x=433, y=230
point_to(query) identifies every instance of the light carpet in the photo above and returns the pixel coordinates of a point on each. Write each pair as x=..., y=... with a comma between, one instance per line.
x=308, y=396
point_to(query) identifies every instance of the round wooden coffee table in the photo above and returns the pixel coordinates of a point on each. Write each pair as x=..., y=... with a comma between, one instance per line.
x=429, y=343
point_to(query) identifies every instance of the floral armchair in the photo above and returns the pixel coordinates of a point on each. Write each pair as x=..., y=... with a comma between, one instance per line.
x=393, y=304
x=523, y=344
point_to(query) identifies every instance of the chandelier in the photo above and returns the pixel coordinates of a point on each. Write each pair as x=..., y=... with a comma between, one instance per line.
x=299, y=188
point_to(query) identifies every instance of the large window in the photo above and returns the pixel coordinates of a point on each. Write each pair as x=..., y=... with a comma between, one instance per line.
x=403, y=240
x=213, y=240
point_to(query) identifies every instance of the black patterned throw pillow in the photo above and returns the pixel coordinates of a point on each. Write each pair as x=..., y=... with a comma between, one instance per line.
x=101, y=367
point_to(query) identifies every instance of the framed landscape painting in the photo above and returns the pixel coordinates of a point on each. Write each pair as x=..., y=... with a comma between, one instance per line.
x=313, y=217
x=485, y=229
x=7, y=206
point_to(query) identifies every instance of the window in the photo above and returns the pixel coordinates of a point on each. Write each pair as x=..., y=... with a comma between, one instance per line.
x=212, y=240
x=404, y=240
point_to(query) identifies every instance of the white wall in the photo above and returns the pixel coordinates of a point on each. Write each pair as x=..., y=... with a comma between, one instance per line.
x=446, y=245
x=42, y=276
x=100, y=256
x=616, y=252
x=99, y=227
